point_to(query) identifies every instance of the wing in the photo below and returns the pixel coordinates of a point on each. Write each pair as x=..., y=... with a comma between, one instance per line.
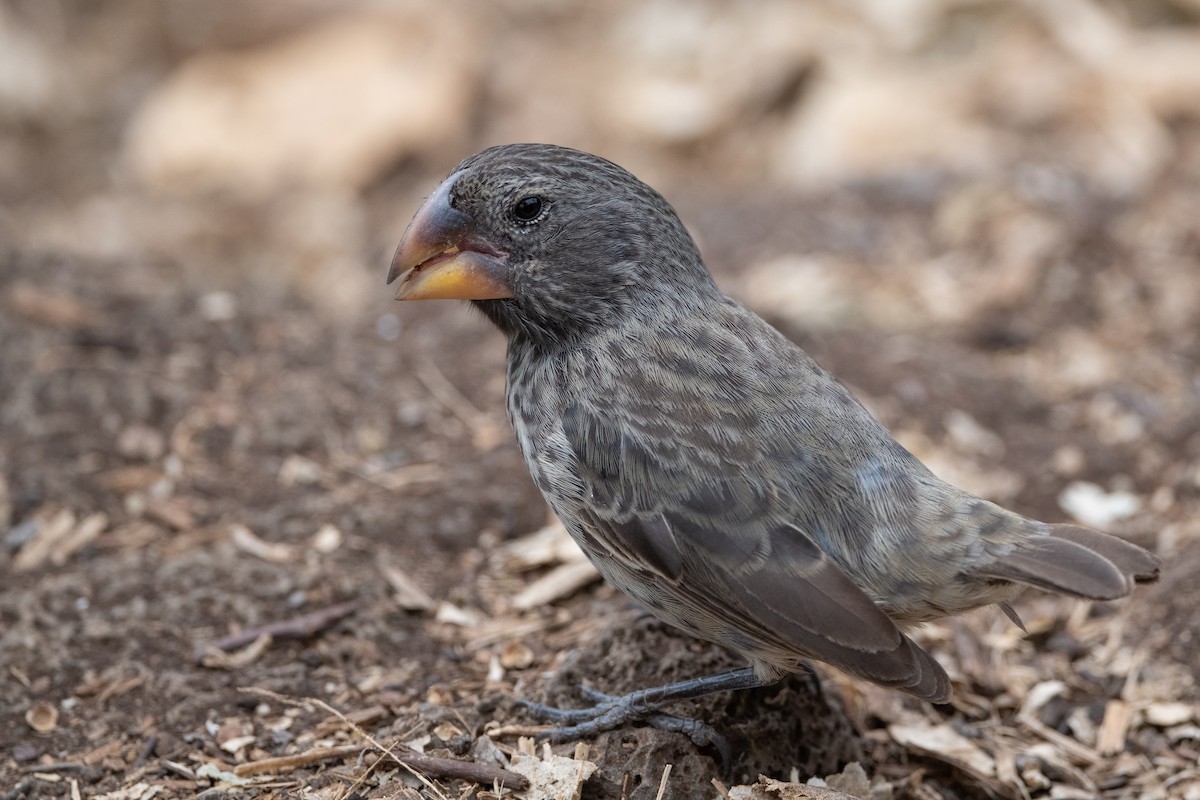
x=670, y=506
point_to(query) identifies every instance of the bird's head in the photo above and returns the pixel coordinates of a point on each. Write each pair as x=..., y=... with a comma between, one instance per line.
x=550, y=243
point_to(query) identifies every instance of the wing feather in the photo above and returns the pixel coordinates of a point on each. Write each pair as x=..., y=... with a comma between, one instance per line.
x=724, y=567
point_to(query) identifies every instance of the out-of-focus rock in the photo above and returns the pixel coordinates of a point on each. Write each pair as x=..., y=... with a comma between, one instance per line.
x=1123, y=145
x=27, y=74
x=1164, y=68
x=1092, y=505
x=1100, y=89
x=333, y=106
x=903, y=24
x=1121, y=138
x=321, y=231
x=807, y=292
x=683, y=71
x=874, y=119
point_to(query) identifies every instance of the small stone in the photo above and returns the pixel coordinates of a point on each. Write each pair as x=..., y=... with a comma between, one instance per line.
x=327, y=539
x=218, y=306
x=141, y=443
x=25, y=752
x=1092, y=505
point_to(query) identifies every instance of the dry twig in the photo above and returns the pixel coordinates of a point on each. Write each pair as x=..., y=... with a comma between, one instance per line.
x=418, y=764
x=295, y=628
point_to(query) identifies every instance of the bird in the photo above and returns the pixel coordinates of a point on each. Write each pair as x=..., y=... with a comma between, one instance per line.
x=708, y=467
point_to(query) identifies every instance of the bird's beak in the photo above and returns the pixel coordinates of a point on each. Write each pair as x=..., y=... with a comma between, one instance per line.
x=440, y=256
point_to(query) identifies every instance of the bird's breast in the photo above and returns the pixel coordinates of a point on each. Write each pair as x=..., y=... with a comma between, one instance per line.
x=535, y=398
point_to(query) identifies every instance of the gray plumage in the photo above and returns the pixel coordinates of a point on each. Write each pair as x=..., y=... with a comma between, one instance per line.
x=713, y=471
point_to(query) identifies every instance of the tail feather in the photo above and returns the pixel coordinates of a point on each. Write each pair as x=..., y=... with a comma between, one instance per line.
x=1135, y=562
x=1076, y=561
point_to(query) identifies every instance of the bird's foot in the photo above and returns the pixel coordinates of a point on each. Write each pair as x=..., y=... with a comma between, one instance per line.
x=610, y=712
x=616, y=711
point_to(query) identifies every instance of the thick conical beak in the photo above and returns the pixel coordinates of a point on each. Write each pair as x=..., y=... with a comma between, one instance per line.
x=440, y=256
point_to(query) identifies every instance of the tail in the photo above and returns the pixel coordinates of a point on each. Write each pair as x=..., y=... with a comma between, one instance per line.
x=1077, y=561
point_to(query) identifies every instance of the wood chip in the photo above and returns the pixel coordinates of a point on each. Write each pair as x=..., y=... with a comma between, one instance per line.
x=552, y=777
x=545, y=546
x=398, y=478
x=117, y=688
x=497, y=629
x=53, y=529
x=238, y=743
x=1055, y=765
x=101, y=752
x=1041, y=694
x=135, y=536
x=1006, y=765
x=662, y=783
x=245, y=540
x=456, y=615
x=79, y=537
x=408, y=594
x=1079, y=752
x=560, y=582
x=173, y=513
x=50, y=307
x=1080, y=725
x=1110, y=739
x=1168, y=715
x=215, y=658
x=129, y=479
x=486, y=430
x=290, y=762
x=945, y=744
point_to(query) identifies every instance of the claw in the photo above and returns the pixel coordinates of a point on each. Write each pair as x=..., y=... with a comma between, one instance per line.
x=701, y=734
x=595, y=695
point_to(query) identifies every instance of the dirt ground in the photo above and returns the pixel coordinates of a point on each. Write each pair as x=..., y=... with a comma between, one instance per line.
x=252, y=509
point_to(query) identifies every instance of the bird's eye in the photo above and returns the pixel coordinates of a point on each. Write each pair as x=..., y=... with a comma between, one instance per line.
x=528, y=208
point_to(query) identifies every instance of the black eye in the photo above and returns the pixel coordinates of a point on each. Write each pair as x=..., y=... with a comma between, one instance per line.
x=528, y=209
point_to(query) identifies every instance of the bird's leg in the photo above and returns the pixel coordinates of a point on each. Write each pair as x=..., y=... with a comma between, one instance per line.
x=611, y=712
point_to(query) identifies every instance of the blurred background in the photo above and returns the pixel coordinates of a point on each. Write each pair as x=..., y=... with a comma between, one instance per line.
x=983, y=215
x=133, y=130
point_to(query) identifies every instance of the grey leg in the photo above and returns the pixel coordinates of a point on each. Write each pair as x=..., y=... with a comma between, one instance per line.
x=611, y=712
